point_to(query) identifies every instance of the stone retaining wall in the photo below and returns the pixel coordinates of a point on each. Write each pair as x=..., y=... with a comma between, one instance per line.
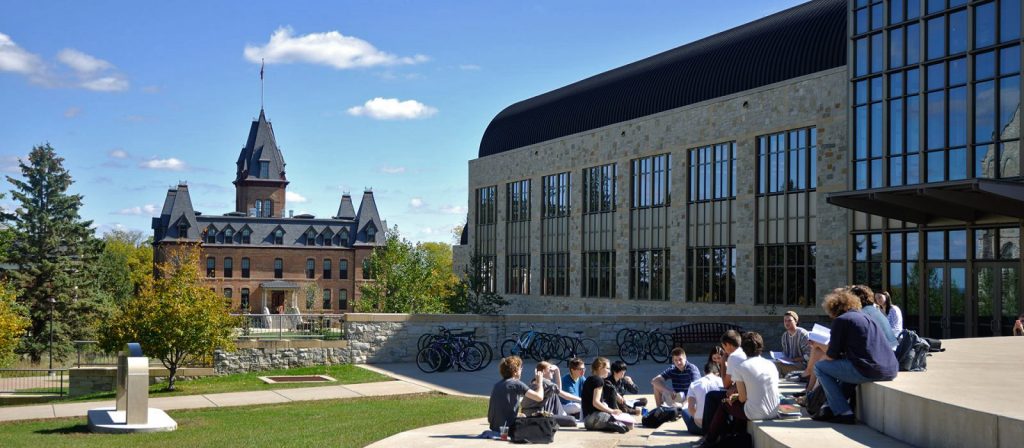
x=384, y=338
x=259, y=359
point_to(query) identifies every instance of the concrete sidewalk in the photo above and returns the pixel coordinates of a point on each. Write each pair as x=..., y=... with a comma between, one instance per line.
x=80, y=409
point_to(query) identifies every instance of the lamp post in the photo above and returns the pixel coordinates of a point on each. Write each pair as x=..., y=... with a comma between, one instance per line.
x=53, y=303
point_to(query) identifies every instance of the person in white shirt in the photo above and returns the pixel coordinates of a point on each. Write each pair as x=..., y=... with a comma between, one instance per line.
x=731, y=344
x=696, y=395
x=757, y=397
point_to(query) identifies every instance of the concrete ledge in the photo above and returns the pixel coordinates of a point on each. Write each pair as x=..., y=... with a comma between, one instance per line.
x=801, y=433
x=278, y=344
x=966, y=398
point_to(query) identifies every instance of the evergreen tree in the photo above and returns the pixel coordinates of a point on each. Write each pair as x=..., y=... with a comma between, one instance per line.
x=54, y=250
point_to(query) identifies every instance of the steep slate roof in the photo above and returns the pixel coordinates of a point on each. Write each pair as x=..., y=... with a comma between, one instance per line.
x=345, y=209
x=177, y=207
x=801, y=40
x=260, y=146
x=368, y=214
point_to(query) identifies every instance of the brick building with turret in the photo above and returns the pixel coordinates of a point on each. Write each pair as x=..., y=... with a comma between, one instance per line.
x=262, y=260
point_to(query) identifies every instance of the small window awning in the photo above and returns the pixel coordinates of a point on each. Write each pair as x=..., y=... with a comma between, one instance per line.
x=962, y=200
x=279, y=284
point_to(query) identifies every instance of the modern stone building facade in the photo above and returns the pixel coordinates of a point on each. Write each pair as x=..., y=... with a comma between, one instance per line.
x=262, y=260
x=732, y=175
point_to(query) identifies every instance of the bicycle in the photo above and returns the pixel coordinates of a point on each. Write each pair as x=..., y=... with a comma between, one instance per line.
x=635, y=345
x=448, y=349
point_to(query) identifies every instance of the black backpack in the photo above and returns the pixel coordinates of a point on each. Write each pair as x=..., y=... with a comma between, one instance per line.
x=659, y=416
x=538, y=429
x=912, y=352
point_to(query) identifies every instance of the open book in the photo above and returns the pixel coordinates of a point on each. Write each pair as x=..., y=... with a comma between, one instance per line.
x=820, y=334
x=781, y=357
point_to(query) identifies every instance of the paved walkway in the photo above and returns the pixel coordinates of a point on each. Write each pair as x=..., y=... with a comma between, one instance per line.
x=80, y=409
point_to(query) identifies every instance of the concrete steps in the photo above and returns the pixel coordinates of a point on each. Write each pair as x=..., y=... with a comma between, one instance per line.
x=807, y=433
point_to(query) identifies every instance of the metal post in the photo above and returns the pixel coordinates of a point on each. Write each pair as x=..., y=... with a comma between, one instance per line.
x=53, y=302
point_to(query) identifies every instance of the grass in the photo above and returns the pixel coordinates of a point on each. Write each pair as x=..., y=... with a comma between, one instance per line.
x=344, y=373
x=347, y=423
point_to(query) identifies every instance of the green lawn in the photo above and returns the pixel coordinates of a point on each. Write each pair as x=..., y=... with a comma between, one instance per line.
x=345, y=423
x=344, y=373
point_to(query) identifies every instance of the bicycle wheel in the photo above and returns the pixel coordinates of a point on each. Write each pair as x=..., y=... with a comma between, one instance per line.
x=629, y=352
x=538, y=349
x=620, y=337
x=424, y=341
x=659, y=348
x=508, y=346
x=429, y=359
x=588, y=349
x=471, y=358
x=485, y=348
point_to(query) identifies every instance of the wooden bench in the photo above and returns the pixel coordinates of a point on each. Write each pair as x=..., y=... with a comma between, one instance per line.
x=702, y=332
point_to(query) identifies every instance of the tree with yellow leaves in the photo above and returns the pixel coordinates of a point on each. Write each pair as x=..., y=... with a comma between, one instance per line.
x=13, y=324
x=179, y=322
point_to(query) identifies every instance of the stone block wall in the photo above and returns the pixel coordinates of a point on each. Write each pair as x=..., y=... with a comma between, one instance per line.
x=255, y=356
x=87, y=380
x=387, y=338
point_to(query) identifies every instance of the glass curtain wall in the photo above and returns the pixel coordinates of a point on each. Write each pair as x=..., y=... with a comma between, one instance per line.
x=711, y=253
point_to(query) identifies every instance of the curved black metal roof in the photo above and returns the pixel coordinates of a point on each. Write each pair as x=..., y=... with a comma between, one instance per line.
x=798, y=41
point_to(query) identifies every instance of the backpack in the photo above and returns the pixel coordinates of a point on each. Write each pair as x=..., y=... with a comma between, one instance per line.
x=537, y=429
x=935, y=345
x=912, y=352
x=815, y=400
x=659, y=416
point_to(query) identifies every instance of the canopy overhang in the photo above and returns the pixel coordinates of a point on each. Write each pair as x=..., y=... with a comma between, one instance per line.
x=963, y=200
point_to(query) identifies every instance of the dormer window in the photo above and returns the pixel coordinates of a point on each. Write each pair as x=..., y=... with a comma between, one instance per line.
x=229, y=236
x=211, y=235
x=182, y=229
x=246, y=233
x=328, y=236
x=371, y=234
x=343, y=237
x=264, y=170
x=279, y=236
x=311, y=237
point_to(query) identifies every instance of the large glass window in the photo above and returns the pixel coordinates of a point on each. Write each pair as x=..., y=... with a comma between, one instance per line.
x=649, y=274
x=599, y=189
x=787, y=161
x=211, y=267
x=952, y=100
x=485, y=247
x=327, y=268
x=598, y=230
x=245, y=299
x=712, y=274
x=310, y=268
x=711, y=253
x=343, y=269
x=786, y=274
x=598, y=278
x=229, y=265
x=517, y=235
x=245, y=267
x=554, y=255
x=278, y=268
x=342, y=299
x=652, y=181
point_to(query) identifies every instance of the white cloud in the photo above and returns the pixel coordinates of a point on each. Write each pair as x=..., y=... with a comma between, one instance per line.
x=10, y=164
x=81, y=62
x=72, y=112
x=15, y=59
x=294, y=197
x=392, y=109
x=469, y=67
x=392, y=169
x=416, y=202
x=330, y=48
x=454, y=209
x=170, y=164
x=106, y=84
x=148, y=209
x=118, y=153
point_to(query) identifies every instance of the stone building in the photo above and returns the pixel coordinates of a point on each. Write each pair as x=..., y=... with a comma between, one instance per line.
x=752, y=171
x=261, y=259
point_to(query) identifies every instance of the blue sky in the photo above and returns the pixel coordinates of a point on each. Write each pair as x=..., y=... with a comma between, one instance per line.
x=392, y=95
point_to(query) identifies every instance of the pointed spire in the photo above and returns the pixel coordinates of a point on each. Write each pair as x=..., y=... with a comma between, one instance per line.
x=260, y=153
x=345, y=208
x=366, y=217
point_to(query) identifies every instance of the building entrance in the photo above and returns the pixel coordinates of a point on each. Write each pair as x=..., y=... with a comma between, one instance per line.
x=946, y=292
x=997, y=293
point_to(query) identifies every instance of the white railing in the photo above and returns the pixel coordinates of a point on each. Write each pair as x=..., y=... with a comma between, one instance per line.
x=291, y=326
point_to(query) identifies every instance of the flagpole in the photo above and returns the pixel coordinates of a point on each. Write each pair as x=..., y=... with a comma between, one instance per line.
x=261, y=83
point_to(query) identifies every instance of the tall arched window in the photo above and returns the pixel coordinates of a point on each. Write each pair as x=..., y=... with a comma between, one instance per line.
x=229, y=265
x=278, y=268
x=268, y=208
x=211, y=267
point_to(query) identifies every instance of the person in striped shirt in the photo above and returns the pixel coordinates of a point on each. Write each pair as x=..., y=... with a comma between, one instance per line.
x=795, y=346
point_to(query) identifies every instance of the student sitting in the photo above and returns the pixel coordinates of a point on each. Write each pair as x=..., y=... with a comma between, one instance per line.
x=597, y=404
x=695, y=398
x=1018, y=326
x=757, y=391
x=623, y=385
x=867, y=306
x=730, y=343
x=572, y=384
x=890, y=311
x=548, y=374
x=795, y=345
x=858, y=352
x=681, y=374
x=505, y=396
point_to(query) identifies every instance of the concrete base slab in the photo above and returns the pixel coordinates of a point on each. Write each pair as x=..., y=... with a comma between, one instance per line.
x=111, y=421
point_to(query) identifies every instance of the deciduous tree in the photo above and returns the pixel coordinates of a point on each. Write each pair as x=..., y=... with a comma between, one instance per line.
x=13, y=324
x=180, y=321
